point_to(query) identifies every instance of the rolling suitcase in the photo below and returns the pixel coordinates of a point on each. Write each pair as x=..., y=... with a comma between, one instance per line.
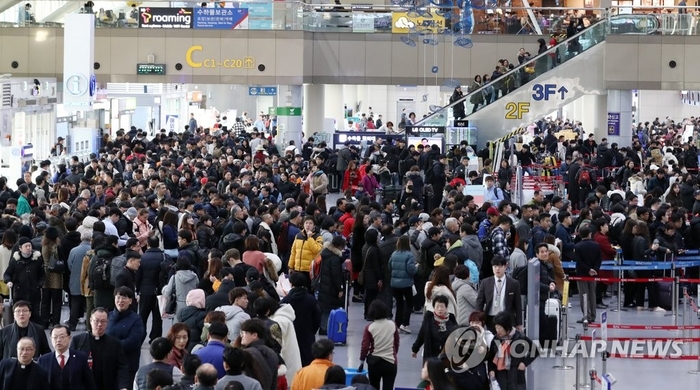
x=7, y=316
x=549, y=323
x=664, y=291
x=338, y=326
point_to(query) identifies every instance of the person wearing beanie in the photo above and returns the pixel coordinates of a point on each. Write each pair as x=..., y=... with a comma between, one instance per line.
x=52, y=292
x=25, y=275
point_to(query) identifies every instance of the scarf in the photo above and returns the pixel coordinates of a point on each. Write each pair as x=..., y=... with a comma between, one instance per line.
x=441, y=322
x=502, y=358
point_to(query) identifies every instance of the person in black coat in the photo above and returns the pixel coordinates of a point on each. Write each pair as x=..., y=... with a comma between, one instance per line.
x=25, y=275
x=220, y=297
x=127, y=276
x=589, y=258
x=75, y=374
x=331, y=289
x=22, y=327
x=308, y=316
x=147, y=284
x=110, y=369
x=126, y=326
x=436, y=327
x=372, y=274
x=23, y=373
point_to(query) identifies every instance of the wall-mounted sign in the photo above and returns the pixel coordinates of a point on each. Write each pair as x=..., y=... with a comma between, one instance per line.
x=221, y=18
x=362, y=22
x=405, y=22
x=425, y=130
x=150, y=69
x=614, y=123
x=262, y=91
x=288, y=111
x=356, y=137
x=247, y=62
x=259, y=15
x=150, y=17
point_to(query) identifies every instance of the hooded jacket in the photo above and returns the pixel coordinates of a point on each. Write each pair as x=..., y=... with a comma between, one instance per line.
x=403, y=268
x=458, y=250
x=304, y=251
x=235, y=316
x=473, y=249
x=193, y=317
x=331, y=283
x=306, y=322
x=466, y=293
x=285, y=316
x=183, y=281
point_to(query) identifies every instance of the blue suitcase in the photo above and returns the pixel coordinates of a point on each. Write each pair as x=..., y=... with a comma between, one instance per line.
x=338, y=326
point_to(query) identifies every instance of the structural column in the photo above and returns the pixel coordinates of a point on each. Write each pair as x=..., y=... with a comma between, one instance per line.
x=289, y=105
x=619, y=109
x=333, y=107
x=314, y=101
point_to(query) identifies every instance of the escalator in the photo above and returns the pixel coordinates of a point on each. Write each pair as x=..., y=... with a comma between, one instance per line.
x=556, y=77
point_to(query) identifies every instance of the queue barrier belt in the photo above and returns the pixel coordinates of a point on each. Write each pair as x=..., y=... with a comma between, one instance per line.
x=615, y=280
x=639, y=265
x=646, y=327
x=680, y=340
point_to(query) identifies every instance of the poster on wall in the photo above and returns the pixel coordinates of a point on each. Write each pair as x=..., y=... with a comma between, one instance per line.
x=259, y=15
x=427, y=141
x=614, y=123
x=151, y=17
x=221, y=18
x=362, y=23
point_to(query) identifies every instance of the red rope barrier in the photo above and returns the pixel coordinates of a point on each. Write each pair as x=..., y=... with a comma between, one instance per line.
x=688, y=280
x=646, y=327
x=680, y=340
x=615, y=280
x=654, y=357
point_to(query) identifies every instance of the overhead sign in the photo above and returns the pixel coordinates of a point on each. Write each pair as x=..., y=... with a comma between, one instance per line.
x=425, y=130
x=288, y=111
x=151, y=17
x=461, y=123
x=614, y=123
x=406, y=22
x=195, y=61
x=262, y=91
x=356, y=137
x=221, y=18
x=259, y=15
x=150, y=69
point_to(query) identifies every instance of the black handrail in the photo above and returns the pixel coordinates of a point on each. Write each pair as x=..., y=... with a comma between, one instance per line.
x=518, y=68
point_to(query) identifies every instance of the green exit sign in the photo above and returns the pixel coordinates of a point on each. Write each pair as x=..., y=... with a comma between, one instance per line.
x=150, y=69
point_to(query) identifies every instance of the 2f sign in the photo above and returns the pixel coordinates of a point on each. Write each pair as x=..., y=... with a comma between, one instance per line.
x=516, y=110
x=545, y=91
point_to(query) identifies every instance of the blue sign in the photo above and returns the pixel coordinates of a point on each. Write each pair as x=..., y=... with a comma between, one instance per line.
x=221, y=18
x=546, y=91
x=614, y=123
x=93, y=85
x=259, y=15
x=262, y=91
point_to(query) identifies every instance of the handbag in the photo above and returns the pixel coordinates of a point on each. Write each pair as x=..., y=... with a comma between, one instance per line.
x=56, y=265
x=172, y=303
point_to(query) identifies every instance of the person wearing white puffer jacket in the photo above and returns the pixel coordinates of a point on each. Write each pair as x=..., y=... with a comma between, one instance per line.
x=284, y=315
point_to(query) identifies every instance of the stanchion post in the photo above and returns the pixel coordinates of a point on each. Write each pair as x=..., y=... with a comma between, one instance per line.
x=592, y=376
x=577, y=382
x=621, y=275
x=564, y=338
x=691, y=322
x=674, y=300
x=604, y=364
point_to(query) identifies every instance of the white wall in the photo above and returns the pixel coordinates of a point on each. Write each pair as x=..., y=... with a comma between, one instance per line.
x=383, y=99
x=662, y=104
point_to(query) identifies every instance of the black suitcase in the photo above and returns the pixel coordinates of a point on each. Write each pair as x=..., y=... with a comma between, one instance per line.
x=664, y=291
x=7, y=316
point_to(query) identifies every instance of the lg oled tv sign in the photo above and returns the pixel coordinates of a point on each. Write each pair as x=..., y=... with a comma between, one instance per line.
x=150, y=17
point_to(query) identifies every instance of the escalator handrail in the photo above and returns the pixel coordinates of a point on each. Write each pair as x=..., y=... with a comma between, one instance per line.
x=512, y=71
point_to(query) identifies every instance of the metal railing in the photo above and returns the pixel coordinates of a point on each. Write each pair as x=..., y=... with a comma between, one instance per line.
x=520, y=75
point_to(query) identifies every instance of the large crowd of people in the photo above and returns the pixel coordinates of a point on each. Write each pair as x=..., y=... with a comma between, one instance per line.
x=232, y=238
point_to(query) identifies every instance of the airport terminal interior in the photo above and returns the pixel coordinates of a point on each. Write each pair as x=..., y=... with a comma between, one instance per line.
x=462, y=78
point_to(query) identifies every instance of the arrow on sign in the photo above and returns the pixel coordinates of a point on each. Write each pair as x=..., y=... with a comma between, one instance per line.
x=562, y=91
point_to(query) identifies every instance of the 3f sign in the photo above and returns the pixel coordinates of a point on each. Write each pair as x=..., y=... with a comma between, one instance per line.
x=516, y=110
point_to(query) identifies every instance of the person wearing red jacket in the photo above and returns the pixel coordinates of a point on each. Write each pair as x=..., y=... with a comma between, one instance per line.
x=348, y=219
x=608, y=252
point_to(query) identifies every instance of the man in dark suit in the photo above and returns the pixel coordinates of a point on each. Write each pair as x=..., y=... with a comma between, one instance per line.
x=127, y=276
x=500, y=293
x=588, y=257
x=110, y=368
x=67, y=369
x=22, y=327
x=23, y=373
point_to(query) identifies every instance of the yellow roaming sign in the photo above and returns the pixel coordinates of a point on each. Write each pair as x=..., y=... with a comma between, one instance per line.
x=247, y=62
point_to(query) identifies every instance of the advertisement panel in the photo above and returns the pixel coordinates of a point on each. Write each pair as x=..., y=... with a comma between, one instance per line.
x=221, y=18
x=150, y=17
x=259, y=15
x=614, y=123
x=405, y=22
x=362, y=23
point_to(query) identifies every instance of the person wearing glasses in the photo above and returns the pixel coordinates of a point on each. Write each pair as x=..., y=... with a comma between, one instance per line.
x=67, y=369
x=110, y=369
x=23, y=373
x=22, y=327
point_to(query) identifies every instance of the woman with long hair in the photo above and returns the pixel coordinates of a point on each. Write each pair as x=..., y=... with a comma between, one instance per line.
x=179, y=335
x=210, y=281
x=403, y=268
x=440, y=284
x=476, y=99
x=357, y=243
x=252, y=254
x=673, y=195
x=351, y=178
x=52, y=291
x=371, y=270
x=186, y=222
x=437, y=325
x=433, y=373
x=169, y=232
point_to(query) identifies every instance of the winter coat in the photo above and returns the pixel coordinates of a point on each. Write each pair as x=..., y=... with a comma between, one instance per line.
x=517, y=259
x=430, y=338
x=319, y=183
x=128, y=328
x=372, y=268
x=386, y=249
x=27, y=276
x=458, y=250
x=68, y=242
x=440, y=290
x=331, y=283
x=304, y=251
x=235, y=316
x=53, y=280
x=183, y=281
x=403, y=268
x=149, y=272
x=75, y=264
x=285, y=316
x=194, y=319
x=306, y=322
x=431, y=248
x=473, y=248
x=466, y=293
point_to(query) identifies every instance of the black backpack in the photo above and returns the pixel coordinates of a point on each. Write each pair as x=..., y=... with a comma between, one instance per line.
x=487, y=247
x=167, y=269
x=100, y=273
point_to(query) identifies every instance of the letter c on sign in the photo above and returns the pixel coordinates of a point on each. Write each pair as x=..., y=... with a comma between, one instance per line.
x=188, y=56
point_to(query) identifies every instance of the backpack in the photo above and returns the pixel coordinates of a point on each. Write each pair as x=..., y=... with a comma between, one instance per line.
x=316, y=273
x=473, y=271
x=487, y=248
x=584, y=177
x=430, y=172
x=282, y=239
x=100, y=273
x=116, y=266
x=520, y=274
